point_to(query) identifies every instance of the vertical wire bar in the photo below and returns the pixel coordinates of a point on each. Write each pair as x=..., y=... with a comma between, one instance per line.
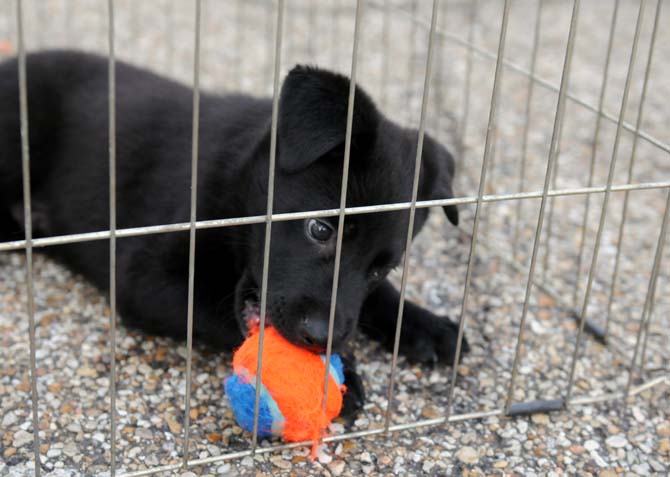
x=486, y=228
x=608, y=190
x=643, y=355
x=28, y=227
x=526, y=127
x=268, y=215
x=112, y=231
x=386, y=42
x=594, y=149
x=411, y=57
x=474, y=4
x=550, y=221
x=478, y=205
x=486, y=208
x=192, y=229
x=412, y=211
x=343, y=197
x=650, y=316
x=631, y=165
x=651, y=291
x=553, y=154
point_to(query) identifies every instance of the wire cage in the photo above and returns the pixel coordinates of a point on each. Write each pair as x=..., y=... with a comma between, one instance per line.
x=556, y=115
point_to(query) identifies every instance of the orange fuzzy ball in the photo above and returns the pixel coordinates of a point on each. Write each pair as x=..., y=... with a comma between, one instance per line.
x=292, y=381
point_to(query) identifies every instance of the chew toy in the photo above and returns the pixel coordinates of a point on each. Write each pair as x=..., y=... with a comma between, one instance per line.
x=291, y=397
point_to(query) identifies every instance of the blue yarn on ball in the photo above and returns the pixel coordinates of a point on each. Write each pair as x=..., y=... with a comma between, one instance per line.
x=241, y=392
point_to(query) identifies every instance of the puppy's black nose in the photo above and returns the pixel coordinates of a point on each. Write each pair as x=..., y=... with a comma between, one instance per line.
x=314, y=333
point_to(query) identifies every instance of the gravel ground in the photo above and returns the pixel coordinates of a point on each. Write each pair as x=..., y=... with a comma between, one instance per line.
x=587, y=439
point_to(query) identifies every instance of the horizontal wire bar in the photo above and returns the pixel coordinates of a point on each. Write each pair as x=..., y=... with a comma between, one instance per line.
x=538, y=79
x=395, y=428
x=368, y=209
x=580, y=401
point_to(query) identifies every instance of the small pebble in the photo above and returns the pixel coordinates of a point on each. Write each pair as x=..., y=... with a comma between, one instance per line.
x=656, y=465
x=541, y=419
x=22, y=437
x=51, y=453
x=9, y=419
x=591, y=445
x=427, y=467
x=467, y=455
x=279, y=461
x=336, y=467
x=223, y=469
x=324, y=458
x=617, y=441
x=70, y=449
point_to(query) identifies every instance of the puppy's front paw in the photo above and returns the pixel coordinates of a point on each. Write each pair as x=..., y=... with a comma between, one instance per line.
x=431, y=339
x=354, y=397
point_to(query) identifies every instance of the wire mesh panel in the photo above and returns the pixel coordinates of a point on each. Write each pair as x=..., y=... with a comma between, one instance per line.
x=556, y=115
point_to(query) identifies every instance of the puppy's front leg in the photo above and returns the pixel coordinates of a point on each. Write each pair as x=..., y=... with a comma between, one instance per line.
x=354, y=397
x=425, y=337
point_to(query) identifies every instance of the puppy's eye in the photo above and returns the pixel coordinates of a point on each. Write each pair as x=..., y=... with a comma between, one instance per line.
x=319, y=230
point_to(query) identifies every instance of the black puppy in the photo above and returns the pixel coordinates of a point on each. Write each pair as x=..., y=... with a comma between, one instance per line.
x=68, y=130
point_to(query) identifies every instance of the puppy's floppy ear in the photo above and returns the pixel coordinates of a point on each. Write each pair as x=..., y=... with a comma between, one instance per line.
x=313, y=117
x=437, y=175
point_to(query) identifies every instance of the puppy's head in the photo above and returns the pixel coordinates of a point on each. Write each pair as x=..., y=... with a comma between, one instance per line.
x=310, y=151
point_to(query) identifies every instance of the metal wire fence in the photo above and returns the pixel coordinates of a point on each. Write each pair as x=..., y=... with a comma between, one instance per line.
x=436, y=79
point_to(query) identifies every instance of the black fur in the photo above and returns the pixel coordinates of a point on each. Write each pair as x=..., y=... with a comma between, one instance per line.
x=68, y=133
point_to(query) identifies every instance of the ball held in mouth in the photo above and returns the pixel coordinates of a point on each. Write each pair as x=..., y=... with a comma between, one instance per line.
x=292, y=385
